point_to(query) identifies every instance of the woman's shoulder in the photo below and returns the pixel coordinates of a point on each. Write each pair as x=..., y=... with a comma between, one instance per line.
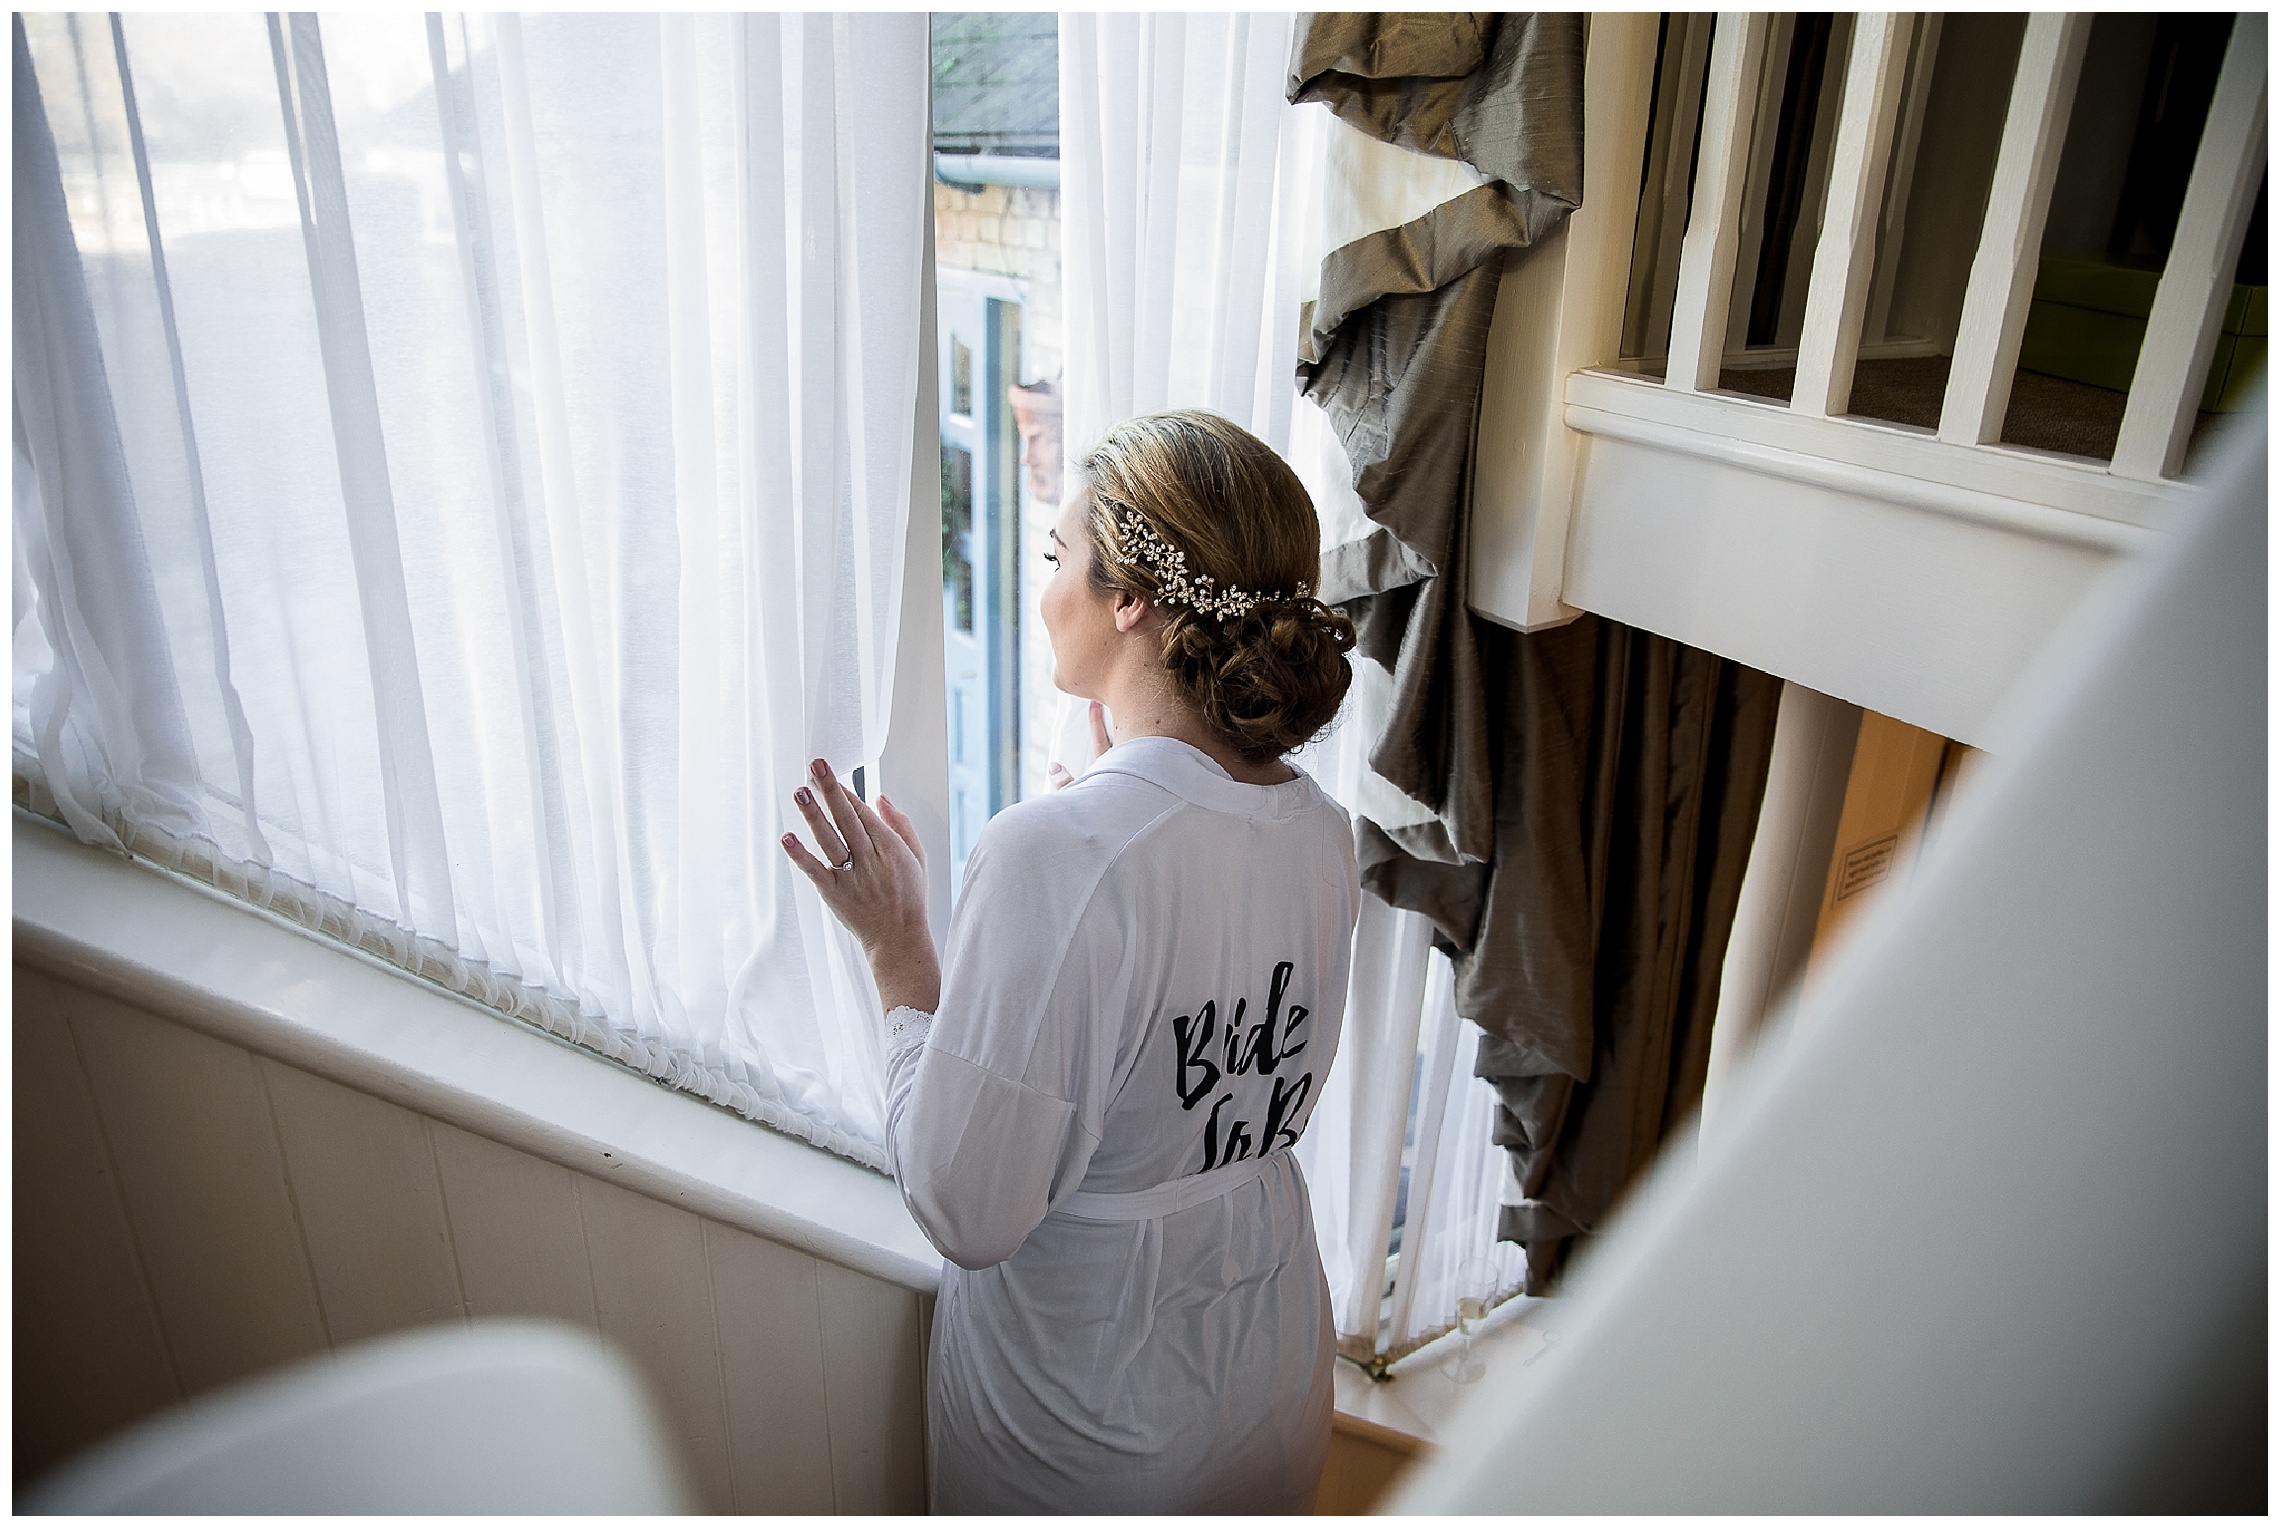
x=1100, y=813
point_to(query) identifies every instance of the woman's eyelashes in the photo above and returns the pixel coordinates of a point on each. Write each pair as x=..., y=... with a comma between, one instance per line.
x=1052, y=559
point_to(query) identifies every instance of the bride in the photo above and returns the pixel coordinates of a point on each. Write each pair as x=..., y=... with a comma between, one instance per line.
x=1092, y=1096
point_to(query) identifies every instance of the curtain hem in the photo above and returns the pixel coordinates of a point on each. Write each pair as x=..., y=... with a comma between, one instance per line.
x=434, y=963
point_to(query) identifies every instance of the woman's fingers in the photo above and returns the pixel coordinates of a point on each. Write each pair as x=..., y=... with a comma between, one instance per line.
x=1058, y=777
x=809, y=866
x=827, y=837
x=882, y=838
x=843, y=813
x=1101, y=740
x=905, y=829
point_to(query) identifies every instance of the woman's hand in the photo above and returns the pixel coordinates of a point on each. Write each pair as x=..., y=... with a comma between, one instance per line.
x=1060, y=777
x=873, y=878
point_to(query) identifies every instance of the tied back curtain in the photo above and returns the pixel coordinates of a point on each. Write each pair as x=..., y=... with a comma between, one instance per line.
x=462, y=466
x=1577, y=803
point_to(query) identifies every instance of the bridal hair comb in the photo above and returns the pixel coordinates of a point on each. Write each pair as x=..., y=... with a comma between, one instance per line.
x=1175, y=584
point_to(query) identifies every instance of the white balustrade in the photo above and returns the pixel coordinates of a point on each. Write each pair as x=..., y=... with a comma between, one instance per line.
x=2010, y=240
x=1837, y=297
x=1706, y=261
x=1862, y=222
x=2197, y=283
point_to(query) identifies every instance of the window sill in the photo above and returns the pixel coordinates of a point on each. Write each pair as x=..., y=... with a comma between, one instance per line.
x=230, y=971
x=1410, y=1412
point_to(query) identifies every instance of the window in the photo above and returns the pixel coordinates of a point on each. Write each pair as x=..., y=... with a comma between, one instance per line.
x=451, y=510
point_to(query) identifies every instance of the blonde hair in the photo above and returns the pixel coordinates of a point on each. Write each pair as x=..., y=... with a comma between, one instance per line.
x=1251, y=648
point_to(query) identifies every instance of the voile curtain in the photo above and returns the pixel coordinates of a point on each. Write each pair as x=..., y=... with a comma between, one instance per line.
x=462, y=466
x=1197, y=207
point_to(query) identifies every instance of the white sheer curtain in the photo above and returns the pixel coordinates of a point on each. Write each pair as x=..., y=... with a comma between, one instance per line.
x=1185, y=195
x=462, y=466
x=1458, y=1179
x=1197, y=205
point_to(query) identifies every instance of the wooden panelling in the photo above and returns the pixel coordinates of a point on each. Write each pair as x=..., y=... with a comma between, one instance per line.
x=514, y=1223
x=179, y=1200
x=364, y=1181
x=1895, y=770
x=653, y=1295
x=1360, y=1471
x=874, y=1339
x=189, y=1126
x=84, y=1327
x=772, y=1362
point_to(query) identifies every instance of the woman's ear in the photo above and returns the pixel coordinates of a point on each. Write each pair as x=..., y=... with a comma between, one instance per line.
x=1131, y=609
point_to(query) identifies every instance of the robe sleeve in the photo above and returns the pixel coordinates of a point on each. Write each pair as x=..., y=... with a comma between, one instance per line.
x=993, y=1110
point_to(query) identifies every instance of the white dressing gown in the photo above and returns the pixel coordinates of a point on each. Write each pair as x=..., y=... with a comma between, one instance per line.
x=1142, y=995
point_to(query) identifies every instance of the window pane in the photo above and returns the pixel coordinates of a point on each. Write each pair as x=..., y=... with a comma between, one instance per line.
x=958, y=534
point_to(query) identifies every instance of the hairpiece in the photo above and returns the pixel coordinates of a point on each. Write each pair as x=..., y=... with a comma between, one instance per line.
x=1175, y=584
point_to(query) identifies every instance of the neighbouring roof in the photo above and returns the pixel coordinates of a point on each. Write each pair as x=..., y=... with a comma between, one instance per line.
x=997, y=83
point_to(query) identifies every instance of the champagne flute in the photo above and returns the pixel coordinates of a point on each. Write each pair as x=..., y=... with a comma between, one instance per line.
x=1476, y=1286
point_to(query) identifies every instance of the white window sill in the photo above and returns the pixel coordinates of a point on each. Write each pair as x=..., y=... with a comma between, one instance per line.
x=1412, y=1409
x=230, y=971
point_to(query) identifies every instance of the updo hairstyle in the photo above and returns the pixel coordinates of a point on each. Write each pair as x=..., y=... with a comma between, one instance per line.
x=1191, y=486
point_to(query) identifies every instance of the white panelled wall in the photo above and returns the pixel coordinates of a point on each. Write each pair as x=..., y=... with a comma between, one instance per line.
x=188, y=1213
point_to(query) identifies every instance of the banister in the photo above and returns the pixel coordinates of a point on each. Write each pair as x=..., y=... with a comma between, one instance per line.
x=1837, y=297
x=2181, y=332
x=1713, y=234
x=2003, y=270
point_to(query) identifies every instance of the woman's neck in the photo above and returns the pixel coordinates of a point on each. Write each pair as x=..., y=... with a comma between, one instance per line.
x=1143, y=706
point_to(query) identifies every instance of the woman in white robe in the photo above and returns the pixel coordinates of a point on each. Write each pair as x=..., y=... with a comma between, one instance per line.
x=1093, y=1098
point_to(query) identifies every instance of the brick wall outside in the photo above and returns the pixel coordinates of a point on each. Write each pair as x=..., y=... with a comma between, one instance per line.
x=1010, y=231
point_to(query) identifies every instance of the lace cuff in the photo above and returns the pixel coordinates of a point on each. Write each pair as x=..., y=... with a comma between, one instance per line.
x=907, y=1026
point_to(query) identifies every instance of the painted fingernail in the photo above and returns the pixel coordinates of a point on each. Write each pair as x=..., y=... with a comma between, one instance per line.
x=820, y=770
x=789, y=840
x=802, y=797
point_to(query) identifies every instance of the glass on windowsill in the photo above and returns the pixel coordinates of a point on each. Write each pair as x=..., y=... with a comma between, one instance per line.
x=1476, y=1287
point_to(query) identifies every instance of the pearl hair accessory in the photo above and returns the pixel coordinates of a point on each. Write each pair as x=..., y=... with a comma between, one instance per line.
x=1176, y=586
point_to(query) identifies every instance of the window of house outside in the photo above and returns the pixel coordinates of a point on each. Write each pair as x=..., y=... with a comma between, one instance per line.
x=997, y=231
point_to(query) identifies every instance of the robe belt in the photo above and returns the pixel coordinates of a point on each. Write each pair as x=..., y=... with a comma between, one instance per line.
x=1167, y=1198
